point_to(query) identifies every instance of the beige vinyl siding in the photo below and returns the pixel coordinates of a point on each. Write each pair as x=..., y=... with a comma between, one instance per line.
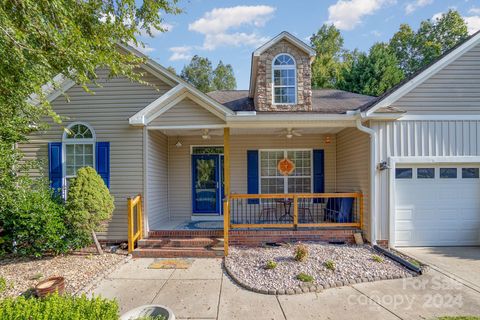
x=417, y=139
x=453, y=90
x=107, y=111
x=186, y=112
x=353, y=166
x=179, y=163
x=157, y=179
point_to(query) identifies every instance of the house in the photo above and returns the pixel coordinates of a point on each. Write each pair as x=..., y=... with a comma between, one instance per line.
x=291, y=162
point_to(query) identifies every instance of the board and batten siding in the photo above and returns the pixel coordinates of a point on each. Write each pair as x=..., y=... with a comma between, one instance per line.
x=415, y=138
x=107, y=111
x=184, y=113
x=353, y=167
x=157, y=179
x=179, y=163
x=453, y=90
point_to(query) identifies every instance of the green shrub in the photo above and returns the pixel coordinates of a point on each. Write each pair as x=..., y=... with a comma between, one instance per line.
x=271, y=264
x=377, y=258
x=33, y=220
x=304, y=277
x=3, y=284
x=301, y=253
x=89, y=205
x=55, y=307
x=330, y=265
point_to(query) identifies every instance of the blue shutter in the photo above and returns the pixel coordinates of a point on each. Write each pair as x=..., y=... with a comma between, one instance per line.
x=102, y=162
x=318, y=172
x=252, y=170
x=55, y=165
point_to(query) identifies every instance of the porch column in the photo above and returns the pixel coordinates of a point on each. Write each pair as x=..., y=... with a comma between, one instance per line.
x=226, y=159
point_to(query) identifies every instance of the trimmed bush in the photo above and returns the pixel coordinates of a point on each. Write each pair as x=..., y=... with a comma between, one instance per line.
x=89, y=206
x=301, y=253
x=55, y=307
x=32, y=221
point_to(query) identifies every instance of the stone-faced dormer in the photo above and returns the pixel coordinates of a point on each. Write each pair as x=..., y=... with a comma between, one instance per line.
x=281, y=75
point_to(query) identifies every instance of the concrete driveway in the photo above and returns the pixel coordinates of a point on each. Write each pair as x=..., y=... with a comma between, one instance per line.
x=204, y=291
x=460, y=263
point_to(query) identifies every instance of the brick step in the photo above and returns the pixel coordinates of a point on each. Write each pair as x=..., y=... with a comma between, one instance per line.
x=185, y=234
x=176, y=242
x=171, y=252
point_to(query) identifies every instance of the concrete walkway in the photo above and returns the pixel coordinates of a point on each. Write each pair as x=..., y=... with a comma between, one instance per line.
x=204, y=292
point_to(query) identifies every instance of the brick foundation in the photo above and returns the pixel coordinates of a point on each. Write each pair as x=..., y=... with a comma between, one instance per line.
x=382, y=243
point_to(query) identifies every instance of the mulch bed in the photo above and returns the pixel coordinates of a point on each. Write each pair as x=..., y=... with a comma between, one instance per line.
x=353, y=264
x=78, y=268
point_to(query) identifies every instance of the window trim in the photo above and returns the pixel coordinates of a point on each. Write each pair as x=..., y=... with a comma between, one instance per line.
x=66, y=141
x=274, y=67
x=285, y=183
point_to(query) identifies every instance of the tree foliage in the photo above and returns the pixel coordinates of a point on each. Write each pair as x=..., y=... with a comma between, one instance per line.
x=89, y=204
x=372, y=73
x=327, y=66
x=200, y=73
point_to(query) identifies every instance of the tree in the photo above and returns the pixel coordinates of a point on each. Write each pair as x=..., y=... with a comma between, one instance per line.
x=42, y=39
x=199, y=73
x=172, y=70
x=372, y=73
x=89, y=205
x=415, y=50
x=326, y=68
x=223, y=77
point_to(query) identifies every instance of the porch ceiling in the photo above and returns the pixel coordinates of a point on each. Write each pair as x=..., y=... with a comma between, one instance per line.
x=251, y=131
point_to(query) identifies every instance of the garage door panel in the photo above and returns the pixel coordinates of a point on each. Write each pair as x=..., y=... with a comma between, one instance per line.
x=437, y=212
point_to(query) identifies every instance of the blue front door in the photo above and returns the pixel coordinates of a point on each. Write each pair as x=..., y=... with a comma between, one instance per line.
x=206, y=184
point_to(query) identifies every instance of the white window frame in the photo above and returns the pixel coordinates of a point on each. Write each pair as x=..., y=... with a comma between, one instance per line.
x=66, y=141
x=285, y=178
x=275, y=67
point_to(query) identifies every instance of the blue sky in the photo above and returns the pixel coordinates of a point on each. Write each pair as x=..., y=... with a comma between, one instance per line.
x=229, y=30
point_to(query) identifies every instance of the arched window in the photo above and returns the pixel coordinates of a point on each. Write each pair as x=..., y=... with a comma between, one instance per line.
x=79, y=149
x=284, y=79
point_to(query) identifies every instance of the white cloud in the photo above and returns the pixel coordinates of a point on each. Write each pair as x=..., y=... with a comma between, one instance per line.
x=474, y=10
x=180, y=53
x=347, y=14
x=473, y=23
x=216, y=24
x=437, y=16
x=412, y=6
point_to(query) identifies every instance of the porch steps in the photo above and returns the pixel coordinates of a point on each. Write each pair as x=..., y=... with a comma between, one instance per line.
x=157, y=246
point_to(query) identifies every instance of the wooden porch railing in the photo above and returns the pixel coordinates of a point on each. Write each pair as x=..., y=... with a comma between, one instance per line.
x=312, y=210
x=135, y=221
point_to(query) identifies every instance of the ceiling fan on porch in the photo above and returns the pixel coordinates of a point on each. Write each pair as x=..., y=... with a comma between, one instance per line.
x=289, y=133
x=206, y=134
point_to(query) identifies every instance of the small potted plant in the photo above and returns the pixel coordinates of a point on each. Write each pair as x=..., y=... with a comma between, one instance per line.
x=151, y=311
x=50, y=285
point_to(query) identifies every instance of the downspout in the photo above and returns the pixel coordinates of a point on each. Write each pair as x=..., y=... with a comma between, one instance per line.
x=373, y=168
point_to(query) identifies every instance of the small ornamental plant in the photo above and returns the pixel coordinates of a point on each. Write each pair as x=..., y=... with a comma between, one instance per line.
x=330, y=265
x=271, y=264
x=377, y=258
x=302, y=276
x=301, y=253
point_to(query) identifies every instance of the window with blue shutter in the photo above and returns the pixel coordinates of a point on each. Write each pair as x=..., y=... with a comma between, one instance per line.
x=318, y=172
x=102, y=163
x=55, y=165
x=252, y=174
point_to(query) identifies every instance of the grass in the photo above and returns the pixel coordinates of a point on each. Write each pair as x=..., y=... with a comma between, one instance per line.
x=330, y=265
x=271, y=264
x=377, y=258
x=304, y=277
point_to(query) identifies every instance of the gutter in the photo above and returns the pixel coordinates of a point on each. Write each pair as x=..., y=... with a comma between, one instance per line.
x=373, y=156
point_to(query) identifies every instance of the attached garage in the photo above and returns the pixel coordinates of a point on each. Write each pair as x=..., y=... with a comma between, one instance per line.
x=437, y=205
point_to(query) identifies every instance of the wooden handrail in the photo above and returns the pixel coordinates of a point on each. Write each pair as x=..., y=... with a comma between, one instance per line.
x=134, y=235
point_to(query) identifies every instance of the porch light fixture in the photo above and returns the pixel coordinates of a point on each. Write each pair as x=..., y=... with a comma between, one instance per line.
x=327, y=140
x=178, y=144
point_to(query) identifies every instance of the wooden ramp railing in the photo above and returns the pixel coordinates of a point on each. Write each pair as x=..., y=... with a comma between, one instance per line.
x=311, y=210
x=135, y=221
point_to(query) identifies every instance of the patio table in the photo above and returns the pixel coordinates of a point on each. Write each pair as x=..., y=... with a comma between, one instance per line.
x=287, y=206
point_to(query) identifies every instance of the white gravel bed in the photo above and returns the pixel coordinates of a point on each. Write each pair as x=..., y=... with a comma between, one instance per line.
x=78, y=268
x=353, y=264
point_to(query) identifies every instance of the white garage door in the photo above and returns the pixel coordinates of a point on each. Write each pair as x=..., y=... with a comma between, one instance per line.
x=437, y=205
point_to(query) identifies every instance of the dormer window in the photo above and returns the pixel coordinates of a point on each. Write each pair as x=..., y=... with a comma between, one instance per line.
x=284, y=79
